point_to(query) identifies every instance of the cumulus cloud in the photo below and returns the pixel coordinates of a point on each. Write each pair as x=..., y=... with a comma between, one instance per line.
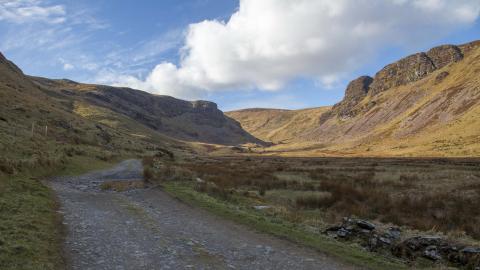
x=267, y=43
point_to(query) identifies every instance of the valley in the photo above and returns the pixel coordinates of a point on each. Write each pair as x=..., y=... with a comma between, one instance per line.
x=176, y=184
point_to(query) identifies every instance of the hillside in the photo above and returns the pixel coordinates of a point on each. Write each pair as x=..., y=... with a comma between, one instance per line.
x=427, y=104
x=101, y=115
x=277, y=126
x=198, y=121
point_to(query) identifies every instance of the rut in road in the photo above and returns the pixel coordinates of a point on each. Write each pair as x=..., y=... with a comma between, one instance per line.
x=148, y=229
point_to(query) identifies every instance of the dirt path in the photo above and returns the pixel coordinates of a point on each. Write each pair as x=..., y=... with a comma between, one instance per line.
x=148, y=229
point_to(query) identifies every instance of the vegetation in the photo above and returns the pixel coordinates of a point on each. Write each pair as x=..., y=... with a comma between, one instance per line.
x=271, y=224
x=311, y=194
x=30, y=227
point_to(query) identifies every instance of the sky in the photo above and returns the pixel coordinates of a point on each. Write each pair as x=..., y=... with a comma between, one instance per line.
x=287, y=54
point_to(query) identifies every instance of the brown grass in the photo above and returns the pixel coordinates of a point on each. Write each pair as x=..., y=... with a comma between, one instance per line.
x=121, y=186
x=423, y=194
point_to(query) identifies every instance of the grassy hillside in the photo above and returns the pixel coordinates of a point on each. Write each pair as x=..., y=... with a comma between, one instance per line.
x=438, y=115
x=277, y=126
x=198, y=121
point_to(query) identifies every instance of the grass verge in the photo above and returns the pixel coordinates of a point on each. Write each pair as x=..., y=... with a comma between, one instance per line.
x=30, y=227
x=280, y=228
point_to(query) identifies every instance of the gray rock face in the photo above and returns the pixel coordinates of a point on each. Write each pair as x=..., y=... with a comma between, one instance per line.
x=444, y=55
x=358, y=88
x=355, y=92
x=409, y=69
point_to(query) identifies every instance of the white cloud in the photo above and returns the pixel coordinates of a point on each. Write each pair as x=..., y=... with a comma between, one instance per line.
x=68, y=66
x=267, y=43
x=27, y=11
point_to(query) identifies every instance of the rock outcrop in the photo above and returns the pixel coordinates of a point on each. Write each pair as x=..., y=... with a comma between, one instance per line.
x=409, y=69
x=391, y=240
x=444, y=55
x=355, y=92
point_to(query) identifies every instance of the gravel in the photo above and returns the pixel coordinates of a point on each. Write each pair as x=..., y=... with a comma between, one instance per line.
x=148, y=229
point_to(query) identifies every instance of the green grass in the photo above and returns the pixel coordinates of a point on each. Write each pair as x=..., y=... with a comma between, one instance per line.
x=280, y=228
x=30, y=228
x=30, y=234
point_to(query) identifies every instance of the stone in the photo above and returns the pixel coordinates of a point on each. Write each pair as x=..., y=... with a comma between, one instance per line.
x=431, y=252
x=343, y=233
x=385, y=241
x=416, y=243
x=470, y=250
x=365, y=225
x=393, y=233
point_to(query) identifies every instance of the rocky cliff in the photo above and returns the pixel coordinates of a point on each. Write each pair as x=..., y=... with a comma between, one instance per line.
x=407, y=70
x=424, y=104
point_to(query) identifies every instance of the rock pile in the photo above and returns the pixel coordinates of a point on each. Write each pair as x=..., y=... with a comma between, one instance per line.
x=390, y=240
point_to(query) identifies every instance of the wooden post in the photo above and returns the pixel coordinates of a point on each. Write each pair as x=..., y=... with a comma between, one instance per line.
x=46, y=130
x=33, y=127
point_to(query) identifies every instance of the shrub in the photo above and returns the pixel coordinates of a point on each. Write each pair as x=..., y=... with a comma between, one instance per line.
x=315, y=201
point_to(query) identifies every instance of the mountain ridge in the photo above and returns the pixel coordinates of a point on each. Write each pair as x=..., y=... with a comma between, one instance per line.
x=186, y=120
x=414, y=108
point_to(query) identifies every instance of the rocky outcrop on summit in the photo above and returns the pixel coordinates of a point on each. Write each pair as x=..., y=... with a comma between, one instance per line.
x=444, y=55
x=355, y=92
x=409, y=69
x=415, y=67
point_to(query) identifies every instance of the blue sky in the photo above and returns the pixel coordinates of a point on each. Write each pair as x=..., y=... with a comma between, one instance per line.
x=248, y=53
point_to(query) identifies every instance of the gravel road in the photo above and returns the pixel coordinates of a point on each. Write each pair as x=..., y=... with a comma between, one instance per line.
x=148, y=229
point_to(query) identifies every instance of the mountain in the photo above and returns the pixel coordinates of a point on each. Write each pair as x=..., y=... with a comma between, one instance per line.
x=44, y=122
x=199, y=121
x=426, y=104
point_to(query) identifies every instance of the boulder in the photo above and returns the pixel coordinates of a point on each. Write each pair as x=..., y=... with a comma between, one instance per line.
x=393, y=233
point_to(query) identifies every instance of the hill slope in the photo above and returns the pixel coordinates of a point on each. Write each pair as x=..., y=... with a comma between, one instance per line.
x=427, y=104
x=277, y=126
x=198, y=121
